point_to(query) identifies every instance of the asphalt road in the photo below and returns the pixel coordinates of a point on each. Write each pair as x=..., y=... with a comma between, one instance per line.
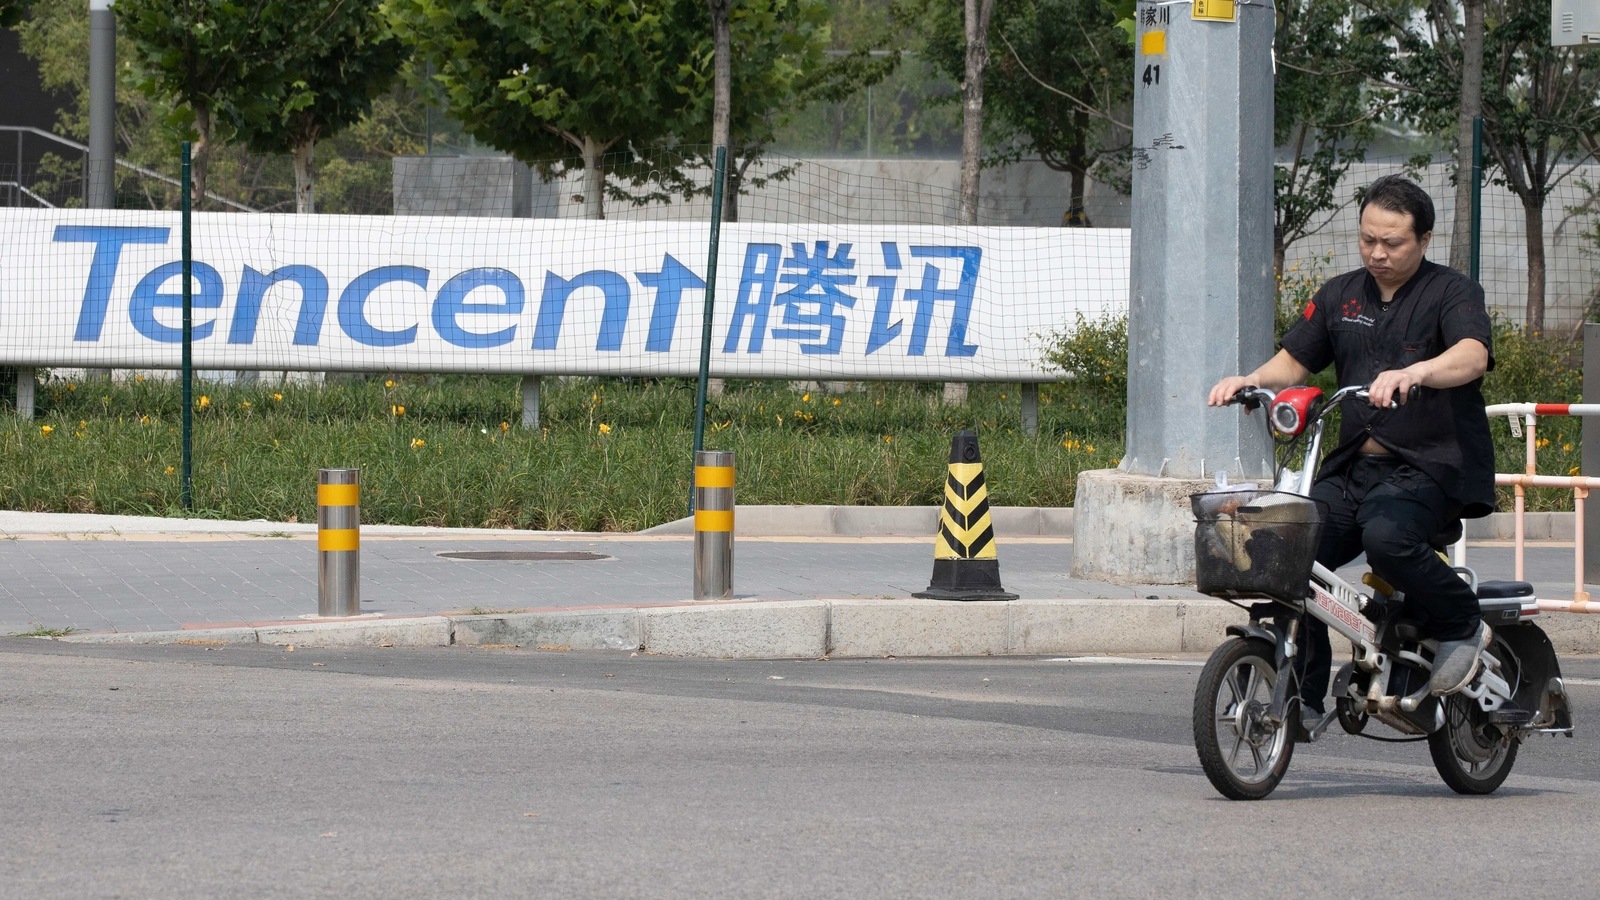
x=195, y=771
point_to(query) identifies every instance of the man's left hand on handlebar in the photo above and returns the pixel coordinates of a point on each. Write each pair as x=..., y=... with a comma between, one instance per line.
x=1393, y=388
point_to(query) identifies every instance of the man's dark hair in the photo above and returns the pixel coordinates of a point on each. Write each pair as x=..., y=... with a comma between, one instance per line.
x=1399, y=195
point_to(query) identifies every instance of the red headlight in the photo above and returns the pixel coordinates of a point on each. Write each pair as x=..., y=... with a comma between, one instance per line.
x=1291, y=409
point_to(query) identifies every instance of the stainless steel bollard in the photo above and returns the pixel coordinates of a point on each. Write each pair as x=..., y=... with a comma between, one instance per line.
x=713, y=524
x=338, y=542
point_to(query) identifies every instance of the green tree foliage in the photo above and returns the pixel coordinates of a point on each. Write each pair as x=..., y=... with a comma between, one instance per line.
x=1539, y=107
x=778, y=68
x=342, y=56
x=1058, y=82
x=12, y=12
x=542, y=80
x=204, y=55
x=1324, y=111
x=547, y=79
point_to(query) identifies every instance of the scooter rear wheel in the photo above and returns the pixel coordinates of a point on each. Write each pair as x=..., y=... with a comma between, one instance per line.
x=1243, y=753
x=1471, y=755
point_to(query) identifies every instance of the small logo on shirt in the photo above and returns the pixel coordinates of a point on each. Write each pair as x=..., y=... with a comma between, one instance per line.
x=1351, y=312
x=1311, y=310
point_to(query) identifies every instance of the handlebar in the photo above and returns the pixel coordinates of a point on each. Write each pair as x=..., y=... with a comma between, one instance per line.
x=1252, y=397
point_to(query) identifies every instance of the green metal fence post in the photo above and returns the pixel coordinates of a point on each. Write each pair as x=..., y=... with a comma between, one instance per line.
x=719, y=170
x=188, y=341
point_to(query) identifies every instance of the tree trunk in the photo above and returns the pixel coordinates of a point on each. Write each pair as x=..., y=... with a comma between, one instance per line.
x=200, y=159
x=1533, y=223
x=1077, y=216
x=594, y=179
x=722, y=81
x=1471, y=106
x=305, y=200
x=730, y=196
x=977, y=21
x=722, y=99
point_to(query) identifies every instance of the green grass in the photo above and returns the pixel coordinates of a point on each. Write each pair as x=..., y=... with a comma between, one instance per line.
x=611, y=454
x=42, y=631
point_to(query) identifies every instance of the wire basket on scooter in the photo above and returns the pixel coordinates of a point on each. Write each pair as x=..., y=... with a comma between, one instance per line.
x=1255, y=544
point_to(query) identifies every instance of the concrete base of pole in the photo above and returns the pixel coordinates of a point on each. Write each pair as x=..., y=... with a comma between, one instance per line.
x=530, y=402
x=1134, y=529
x=1030, y=409
x=25, y=396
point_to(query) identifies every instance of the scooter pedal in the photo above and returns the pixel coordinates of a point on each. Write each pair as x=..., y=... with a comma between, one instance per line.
x=1509, y=716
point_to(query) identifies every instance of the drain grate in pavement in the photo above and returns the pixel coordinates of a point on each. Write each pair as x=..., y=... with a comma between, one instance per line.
x=522, y=555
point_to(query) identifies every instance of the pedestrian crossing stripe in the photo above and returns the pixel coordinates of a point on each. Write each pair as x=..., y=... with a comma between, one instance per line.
x=965, y=529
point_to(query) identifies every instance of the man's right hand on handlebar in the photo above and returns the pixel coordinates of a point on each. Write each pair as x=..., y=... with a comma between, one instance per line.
x=1280, y=371
x=1222, y=393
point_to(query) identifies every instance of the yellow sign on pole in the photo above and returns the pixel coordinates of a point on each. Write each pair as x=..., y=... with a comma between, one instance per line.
x=1216, y=10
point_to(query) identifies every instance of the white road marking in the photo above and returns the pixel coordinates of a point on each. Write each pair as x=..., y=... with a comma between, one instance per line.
x=1125, y=661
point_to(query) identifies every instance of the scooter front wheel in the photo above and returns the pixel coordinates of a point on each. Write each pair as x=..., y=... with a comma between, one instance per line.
x=1243, y=752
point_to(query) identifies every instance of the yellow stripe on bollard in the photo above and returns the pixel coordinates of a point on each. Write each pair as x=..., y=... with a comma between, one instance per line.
x=338, y=495
x=713, y=519
x=335, y=539
x=713, y=476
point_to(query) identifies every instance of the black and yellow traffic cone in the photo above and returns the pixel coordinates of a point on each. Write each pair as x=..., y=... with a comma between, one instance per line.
x=965, y=565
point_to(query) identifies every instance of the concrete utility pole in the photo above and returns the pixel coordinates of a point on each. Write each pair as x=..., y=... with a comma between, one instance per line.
x=1201, y=298
x=102, y=105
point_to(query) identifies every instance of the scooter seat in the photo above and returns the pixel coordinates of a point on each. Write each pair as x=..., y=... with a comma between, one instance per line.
x=1495, y=590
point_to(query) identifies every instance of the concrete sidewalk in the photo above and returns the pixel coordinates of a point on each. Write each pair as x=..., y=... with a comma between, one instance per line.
x=809, y=582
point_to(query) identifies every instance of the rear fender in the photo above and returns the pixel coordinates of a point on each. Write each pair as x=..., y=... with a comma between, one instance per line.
x=1539, y=686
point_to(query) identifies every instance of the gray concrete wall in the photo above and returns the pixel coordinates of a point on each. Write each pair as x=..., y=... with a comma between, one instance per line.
x=857, y=191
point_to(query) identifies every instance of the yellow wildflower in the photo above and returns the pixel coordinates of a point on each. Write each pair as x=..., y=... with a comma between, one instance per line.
x=389, y=383
x=71, y=386
x=277, y=398
x=505, y=426
x=836, y=401
x=805, y=398
x=46, y=430
x=1567, y=447
x=397, y=410
x=888, y=439
x=170, y=470
x=604, y=428
x=1574, y=470
x=204, y=401
x=418, y=442
x=144, y=420
x=244, y=404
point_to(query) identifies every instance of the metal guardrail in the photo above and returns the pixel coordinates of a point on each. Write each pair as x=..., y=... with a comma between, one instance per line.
x=21, y=130
x=17, y=188
x=1524, y=418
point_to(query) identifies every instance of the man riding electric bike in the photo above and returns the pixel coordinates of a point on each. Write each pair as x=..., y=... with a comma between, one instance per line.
x=1414, y=458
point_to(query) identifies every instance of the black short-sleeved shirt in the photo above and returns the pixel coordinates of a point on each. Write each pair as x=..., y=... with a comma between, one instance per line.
x=1443, y=432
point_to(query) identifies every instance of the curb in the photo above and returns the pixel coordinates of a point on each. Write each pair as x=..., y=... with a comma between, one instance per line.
x=1019, y=521
x=809, y=629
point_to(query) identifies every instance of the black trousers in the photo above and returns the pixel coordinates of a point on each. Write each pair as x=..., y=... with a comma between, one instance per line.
x=1387, y=509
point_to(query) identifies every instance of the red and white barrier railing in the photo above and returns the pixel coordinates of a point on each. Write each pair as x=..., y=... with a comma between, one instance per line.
x=1524, y=418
